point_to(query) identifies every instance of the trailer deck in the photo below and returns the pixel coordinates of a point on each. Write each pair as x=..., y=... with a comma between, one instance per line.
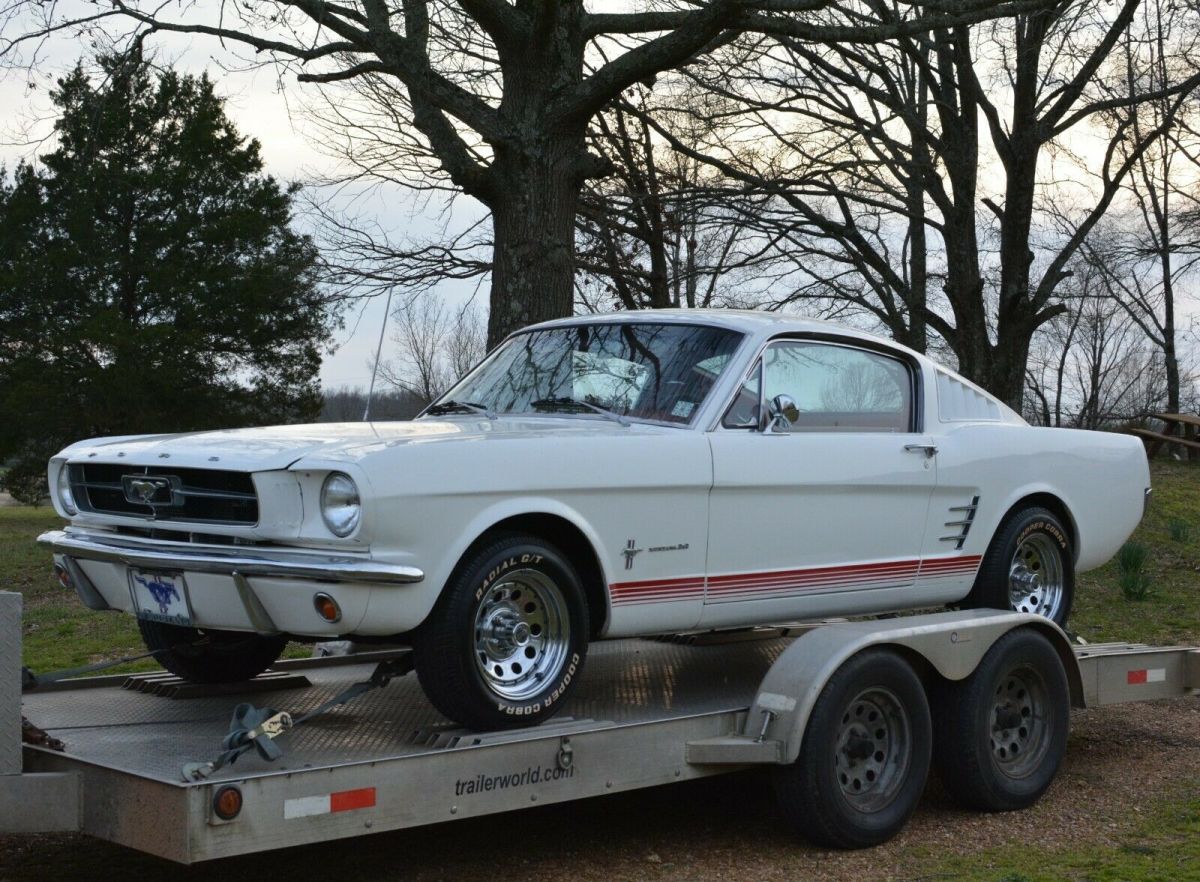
x=627, y=726
x=645, y=713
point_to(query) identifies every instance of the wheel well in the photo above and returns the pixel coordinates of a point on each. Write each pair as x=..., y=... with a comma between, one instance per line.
x=1053, y=504
x=571, y=541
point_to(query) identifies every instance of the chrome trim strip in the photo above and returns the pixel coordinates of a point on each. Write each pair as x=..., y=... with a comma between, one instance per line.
x=226, y=560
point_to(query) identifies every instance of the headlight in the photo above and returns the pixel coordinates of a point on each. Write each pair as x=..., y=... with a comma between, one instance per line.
x=63, y=489
x=340, y=505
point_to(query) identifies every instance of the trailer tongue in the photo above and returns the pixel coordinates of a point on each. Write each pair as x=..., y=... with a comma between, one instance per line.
x=647, y=713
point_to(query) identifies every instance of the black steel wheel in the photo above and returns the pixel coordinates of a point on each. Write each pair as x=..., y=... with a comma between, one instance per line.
x=208, y=656
x=507, y=639
x=1002, y=732
x=1029, y=567
x=865, y=755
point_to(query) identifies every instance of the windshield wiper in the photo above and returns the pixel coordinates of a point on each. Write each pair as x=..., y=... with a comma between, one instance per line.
x=567, y=401
x=451, y=406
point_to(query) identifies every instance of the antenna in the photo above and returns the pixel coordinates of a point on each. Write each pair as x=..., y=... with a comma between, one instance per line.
x=387, y=311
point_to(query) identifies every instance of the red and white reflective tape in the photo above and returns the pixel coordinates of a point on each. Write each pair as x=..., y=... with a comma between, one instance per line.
x=1146, y=675
x=329, y=803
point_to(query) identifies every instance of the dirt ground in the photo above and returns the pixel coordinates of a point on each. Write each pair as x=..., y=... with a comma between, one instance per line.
x=1122, y=762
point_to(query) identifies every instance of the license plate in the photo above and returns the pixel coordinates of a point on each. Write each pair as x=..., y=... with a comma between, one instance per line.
x=160, y=597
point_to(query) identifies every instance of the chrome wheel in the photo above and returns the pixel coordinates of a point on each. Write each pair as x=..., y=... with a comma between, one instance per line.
x=873, y=749
x=1020, y=735
x=1036, y=579
x=522, y=634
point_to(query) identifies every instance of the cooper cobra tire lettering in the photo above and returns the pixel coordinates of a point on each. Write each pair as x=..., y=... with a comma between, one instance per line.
x=467, y=661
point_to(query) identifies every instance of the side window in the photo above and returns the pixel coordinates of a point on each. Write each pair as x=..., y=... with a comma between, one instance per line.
x=836, y=388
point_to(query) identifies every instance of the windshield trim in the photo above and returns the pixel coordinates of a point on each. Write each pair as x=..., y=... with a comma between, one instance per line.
x=632, y=319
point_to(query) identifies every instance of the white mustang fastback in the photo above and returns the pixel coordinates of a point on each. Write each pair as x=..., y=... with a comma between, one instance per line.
x=610, y=476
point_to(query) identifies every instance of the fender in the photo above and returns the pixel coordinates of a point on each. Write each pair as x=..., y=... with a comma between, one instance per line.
x=487, y=518
x=953, y=645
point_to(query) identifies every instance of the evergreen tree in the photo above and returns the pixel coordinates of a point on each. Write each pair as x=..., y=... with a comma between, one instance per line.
x=150, y=280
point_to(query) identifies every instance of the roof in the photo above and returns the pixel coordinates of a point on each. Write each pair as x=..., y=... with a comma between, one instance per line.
x=742, y=319
x=748, y=321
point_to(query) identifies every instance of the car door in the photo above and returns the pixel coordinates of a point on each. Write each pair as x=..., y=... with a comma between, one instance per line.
x=823, y=514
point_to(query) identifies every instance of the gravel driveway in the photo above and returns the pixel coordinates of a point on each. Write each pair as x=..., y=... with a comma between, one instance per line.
x=1122, y=760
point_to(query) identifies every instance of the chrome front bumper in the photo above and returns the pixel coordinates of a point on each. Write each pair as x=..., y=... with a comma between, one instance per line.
x=229, y=560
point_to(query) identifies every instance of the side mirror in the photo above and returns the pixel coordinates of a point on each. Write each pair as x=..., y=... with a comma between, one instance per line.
x=783, y=411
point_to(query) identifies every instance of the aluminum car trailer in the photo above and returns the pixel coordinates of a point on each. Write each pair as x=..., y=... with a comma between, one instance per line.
x=646, y=713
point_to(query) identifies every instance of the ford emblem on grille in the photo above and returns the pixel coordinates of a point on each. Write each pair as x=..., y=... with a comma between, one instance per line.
x=149, y=490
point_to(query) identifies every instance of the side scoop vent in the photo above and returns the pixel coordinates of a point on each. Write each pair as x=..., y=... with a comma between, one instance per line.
x=961, y=518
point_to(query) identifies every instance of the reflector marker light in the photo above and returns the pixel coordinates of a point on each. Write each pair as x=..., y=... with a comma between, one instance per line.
x=329, y=803
x=1146, y=675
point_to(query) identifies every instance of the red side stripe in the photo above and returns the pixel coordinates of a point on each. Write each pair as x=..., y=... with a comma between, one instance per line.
x=732, y=585
x=1133, y=678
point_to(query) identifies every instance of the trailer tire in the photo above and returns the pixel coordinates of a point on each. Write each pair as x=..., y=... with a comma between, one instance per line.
x=1028, y=567
x=872, y=716
x=1002, y=732
x=209, y=656
x=506, y=641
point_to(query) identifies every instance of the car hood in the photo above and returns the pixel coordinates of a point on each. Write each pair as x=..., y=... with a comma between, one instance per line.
x=277, y=447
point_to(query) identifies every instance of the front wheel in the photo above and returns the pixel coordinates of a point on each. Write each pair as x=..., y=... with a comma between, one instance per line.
x=1029, y=567
x=507, y=639
x=208, y=656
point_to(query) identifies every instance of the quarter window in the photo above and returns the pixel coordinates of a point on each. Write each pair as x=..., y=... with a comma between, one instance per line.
x=836, y=388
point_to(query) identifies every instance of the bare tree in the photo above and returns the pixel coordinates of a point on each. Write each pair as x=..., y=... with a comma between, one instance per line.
x=1149, y=247
x=498, y=95
x=664, y=229
x=883, y=158
x=436, y=345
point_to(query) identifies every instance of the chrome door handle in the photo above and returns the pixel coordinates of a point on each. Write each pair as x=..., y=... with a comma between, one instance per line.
x=930, y=450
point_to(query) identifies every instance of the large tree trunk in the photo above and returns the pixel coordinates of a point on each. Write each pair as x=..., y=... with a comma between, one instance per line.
x=533, y=220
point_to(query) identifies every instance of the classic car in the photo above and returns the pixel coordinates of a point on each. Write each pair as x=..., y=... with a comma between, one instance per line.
x=647, y=473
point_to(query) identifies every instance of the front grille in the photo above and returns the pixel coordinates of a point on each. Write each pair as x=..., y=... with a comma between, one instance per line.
x=204, y=496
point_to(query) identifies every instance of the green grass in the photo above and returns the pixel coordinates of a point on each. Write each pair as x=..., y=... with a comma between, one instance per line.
x=1171, y=611
x=1164, y=848
x=59, y=632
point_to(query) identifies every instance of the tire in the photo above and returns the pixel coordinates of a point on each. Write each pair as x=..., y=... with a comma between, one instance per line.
x=1002, y=732
x=507, y=639
x=860, y=799
x=220, y=657
x=1029, y=567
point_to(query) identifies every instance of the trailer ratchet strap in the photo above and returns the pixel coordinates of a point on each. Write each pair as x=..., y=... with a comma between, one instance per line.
x=256, y=729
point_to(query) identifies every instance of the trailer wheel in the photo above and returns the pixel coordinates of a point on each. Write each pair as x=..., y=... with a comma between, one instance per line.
x=208, y=656
x=1002, y=732
x=864, y=757
x=1029, y=567
x=506, y=641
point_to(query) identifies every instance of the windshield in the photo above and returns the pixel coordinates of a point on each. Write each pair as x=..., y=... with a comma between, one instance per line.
x=657, y=372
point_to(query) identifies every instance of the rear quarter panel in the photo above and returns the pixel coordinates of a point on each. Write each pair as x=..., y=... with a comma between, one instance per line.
x=1100, y=478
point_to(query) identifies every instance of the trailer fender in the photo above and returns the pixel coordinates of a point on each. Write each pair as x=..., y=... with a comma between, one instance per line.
x=953, y=644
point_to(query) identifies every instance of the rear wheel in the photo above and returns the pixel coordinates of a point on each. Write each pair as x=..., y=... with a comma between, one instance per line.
x=1029, y=567
x=865, y=755
x=207, y=656
x=507, y=639
x=1002, y=732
